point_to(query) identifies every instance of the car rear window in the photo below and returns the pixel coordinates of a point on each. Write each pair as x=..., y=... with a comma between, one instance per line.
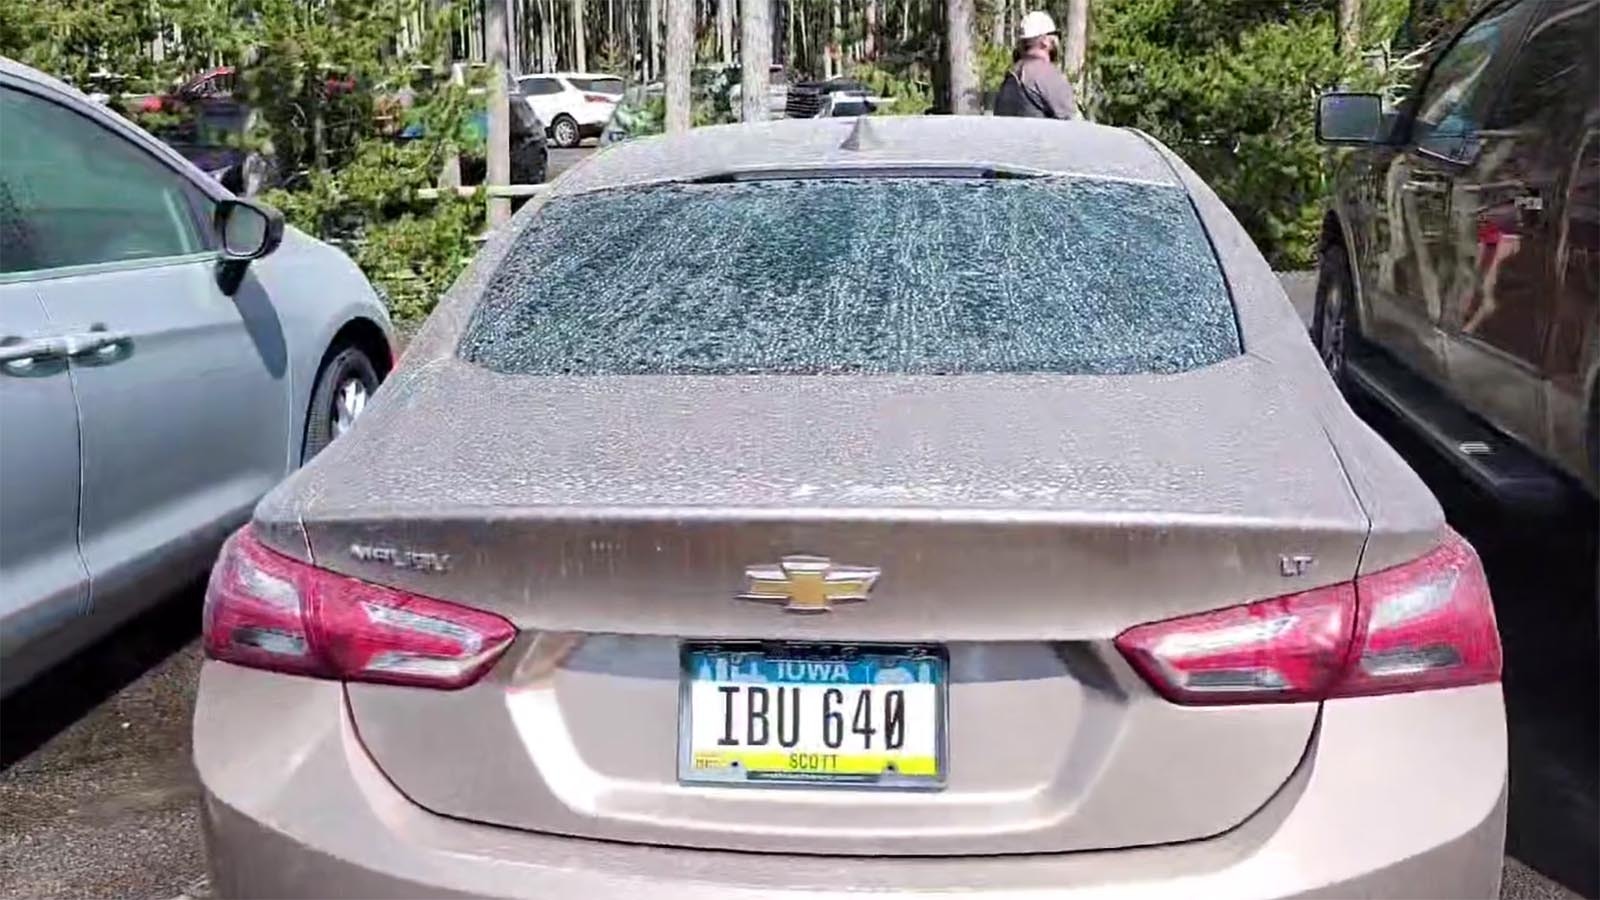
x=858, y=275
x=612, y=86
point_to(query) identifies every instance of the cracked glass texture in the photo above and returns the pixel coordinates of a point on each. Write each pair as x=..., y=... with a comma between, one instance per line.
x=858, y=275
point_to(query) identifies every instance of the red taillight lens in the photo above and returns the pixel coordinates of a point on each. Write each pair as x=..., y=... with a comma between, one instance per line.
x=599, y=98
x=1426, y=624
x=268, y=611
x=1290, y=648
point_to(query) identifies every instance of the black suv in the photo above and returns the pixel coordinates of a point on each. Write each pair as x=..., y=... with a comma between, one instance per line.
x=1460, y=264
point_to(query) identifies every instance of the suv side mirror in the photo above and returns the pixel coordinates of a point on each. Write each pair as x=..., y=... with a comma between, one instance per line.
x=1349, y=118
x=248, y=231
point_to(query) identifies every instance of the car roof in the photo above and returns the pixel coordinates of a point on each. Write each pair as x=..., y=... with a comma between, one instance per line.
x=27, y=73
x=1039, y=145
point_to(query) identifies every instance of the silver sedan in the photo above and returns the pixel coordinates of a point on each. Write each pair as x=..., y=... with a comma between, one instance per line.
x=815, y=509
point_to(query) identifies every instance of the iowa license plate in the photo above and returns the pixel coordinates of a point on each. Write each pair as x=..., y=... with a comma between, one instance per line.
x=822, y=715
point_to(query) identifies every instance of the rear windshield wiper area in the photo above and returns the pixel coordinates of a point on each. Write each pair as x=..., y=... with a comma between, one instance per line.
x=826, y=173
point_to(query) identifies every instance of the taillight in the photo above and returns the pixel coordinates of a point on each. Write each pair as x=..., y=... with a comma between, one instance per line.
x=268, y=611
x=1426, y=624
x=599, y=98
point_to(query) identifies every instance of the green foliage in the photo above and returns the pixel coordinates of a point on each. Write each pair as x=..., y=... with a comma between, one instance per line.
x=412, y=249
x=414, y=258
x=1230, y=85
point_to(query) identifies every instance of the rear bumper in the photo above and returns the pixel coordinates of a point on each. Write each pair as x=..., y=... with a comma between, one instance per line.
x=1399, y=796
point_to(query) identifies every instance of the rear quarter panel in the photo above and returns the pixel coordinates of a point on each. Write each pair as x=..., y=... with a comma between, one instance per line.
x=316, y=290
x=1405, y=519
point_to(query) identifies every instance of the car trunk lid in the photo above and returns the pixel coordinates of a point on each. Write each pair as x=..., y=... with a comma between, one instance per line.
x=1019, y=523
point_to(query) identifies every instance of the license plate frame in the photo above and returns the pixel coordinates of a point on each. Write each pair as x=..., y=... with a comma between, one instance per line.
x=785, y=651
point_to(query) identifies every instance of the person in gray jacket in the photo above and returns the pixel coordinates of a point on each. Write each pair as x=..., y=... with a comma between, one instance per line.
x=1035, y=88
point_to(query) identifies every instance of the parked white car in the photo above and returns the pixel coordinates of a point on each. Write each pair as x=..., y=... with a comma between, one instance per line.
x=573, y=105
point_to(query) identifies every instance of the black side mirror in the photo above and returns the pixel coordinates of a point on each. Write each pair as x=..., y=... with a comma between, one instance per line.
x=1349, y=118
x=248, y=231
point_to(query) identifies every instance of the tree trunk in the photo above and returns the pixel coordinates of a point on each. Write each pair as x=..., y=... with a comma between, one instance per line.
x=755, y=55
x=805, y=41
x=835, y=32
x=580, y=49
x=725, y=29
x=654, y=55
x=680, y=55
x=499, y=149
x=319, y=140
x=1000, y=24
x=905, y=21
x=792, y=46
x=1350, y=26
x=964, y=99
x=1075, y=45
x=872, y=30
x=547, y=36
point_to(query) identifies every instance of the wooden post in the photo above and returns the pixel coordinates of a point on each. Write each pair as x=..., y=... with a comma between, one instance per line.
x=1075, y=45
x=680, y=55
x=499, y=149
x=964, y=99
x=755, y=58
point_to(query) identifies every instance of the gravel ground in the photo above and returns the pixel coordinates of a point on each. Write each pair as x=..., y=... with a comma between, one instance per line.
x=97, y=795
x=107, y=806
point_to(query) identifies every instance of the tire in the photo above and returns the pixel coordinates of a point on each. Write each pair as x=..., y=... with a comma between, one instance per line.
x=1332, y=325
x=344, y=385
x=565, y=132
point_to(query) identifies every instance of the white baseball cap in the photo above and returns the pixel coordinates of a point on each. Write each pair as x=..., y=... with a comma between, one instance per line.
x=1035, y=24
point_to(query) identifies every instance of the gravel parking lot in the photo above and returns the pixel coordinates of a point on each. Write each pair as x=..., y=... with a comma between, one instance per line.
x=97, y=796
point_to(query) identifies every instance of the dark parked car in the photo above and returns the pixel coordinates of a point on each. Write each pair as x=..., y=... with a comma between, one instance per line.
x=530, y=150
x=1461, y=254
x=829, y=99
x=208, y=125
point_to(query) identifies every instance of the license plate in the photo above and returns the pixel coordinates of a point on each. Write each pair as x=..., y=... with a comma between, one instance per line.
x=814, y=714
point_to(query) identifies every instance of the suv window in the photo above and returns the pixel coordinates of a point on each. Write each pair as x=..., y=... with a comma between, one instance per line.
x=73, y=192
x=609, y=86
x=1553, y=71
x=1449, y=113
x=858, y=275
x=539, y=87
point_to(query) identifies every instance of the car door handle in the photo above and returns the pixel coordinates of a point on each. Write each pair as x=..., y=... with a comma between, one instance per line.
x=20, y=353
x=96, y=340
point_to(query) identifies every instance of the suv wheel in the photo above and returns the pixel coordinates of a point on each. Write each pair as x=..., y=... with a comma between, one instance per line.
x=564, y=130
x=1331, y=323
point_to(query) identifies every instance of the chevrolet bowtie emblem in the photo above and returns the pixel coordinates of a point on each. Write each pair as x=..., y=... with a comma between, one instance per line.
x=808, y=584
